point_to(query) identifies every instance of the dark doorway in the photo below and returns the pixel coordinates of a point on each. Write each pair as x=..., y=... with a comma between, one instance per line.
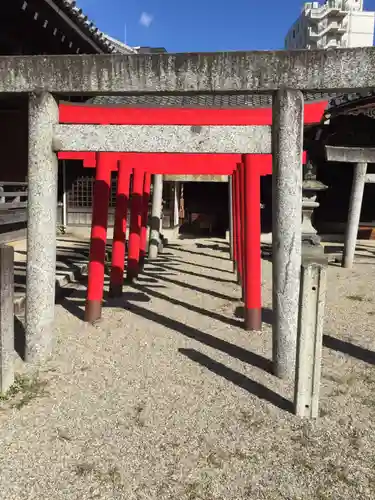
x=206, y=209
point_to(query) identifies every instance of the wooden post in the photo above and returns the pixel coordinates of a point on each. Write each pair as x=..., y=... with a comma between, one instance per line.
x=230, y=210
x=98, y=240
x=252, y=275
x=238, y=224
x=119, y=233
x=6, y=317
x=241, y=181
x=145, y=203
x=234, y=221
x=135, y=225
x=64, y=198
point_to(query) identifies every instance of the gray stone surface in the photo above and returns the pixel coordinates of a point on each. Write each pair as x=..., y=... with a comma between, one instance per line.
x=163, y=138
x=354, y=214
x=6, y=317
x=287, y=212
x=350, y=155
x=310, y=337
x=203, y=72
x=41, y=240
x=157, y=200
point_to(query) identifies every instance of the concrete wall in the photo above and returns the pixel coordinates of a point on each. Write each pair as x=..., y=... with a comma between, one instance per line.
x=360, y=29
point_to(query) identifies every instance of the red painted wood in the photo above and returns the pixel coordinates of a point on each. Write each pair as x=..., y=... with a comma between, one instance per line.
x=234, y=219
x=99, y=228
x=252, y=230
x=177, y=164
x=119, y=232
x=145, y=202
x=238, y=220
x=113, y=115
x=135, y=224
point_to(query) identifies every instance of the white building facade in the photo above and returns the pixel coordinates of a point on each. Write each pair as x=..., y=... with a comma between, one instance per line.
x=333, y=24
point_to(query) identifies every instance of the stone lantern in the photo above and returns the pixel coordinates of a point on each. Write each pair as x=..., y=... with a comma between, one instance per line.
x=310, y=189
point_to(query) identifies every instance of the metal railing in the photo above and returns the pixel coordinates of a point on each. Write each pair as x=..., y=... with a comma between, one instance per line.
x=331, y=6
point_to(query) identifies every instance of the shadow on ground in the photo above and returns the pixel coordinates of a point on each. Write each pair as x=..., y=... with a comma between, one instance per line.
x=238, y=379
x=75, y=307
x=350, y=349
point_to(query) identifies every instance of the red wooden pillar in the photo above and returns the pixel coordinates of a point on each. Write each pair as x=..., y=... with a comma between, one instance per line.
x=241, y=178
x=253, y=271
x=145, y=203
x=135, y=224
x=119, y=233
x=234, y=220
x=238, y=224
x=104, y=163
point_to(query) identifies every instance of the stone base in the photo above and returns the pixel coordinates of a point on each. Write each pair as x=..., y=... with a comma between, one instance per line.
x=171, y=234
x=312, y=251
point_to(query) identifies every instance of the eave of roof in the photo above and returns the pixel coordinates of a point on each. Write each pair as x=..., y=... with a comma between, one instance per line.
x=218, y=101
x=70, y=9
x=349, y=102
x=119, y=46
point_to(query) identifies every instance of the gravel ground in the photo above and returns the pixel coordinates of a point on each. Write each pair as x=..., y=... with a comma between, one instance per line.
x=168, y=398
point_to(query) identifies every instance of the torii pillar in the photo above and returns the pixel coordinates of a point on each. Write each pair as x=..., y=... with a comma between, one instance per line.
x=360, y=157
x=41, y=227
x=287, y=143
x=157, y=200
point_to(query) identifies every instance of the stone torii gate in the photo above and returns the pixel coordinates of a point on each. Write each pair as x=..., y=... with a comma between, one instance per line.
x=284, y=74
x=360, y=157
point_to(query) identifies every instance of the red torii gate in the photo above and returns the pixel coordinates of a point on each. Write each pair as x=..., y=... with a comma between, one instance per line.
x=245, y=169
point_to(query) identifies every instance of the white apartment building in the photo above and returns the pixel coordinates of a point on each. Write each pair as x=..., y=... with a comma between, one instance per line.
x=332, y=24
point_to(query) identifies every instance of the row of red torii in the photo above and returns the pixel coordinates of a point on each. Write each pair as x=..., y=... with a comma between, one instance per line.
x=245, y=170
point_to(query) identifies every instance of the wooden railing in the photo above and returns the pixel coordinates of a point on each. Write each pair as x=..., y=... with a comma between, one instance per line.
x=13, y=202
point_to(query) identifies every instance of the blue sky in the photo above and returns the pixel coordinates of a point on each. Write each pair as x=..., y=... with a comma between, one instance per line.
x=197, y=25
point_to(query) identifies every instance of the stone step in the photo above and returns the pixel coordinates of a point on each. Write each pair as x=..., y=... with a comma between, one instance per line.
x=63, y=280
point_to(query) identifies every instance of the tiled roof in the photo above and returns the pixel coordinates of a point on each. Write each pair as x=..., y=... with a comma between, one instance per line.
x=70, y=8
x=120, y=47
x=345, y=99
x=349, y=103
x=196, y=101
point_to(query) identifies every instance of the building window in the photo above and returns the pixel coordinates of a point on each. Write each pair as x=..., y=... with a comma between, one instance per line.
x=294, y=33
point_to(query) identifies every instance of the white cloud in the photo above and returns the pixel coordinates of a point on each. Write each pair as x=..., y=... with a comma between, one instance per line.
x=146, y=19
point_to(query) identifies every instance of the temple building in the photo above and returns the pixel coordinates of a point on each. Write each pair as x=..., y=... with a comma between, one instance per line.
x=34, y=27
x=348, y=121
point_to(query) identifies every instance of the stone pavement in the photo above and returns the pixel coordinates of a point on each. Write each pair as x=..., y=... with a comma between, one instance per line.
x=168, y=397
